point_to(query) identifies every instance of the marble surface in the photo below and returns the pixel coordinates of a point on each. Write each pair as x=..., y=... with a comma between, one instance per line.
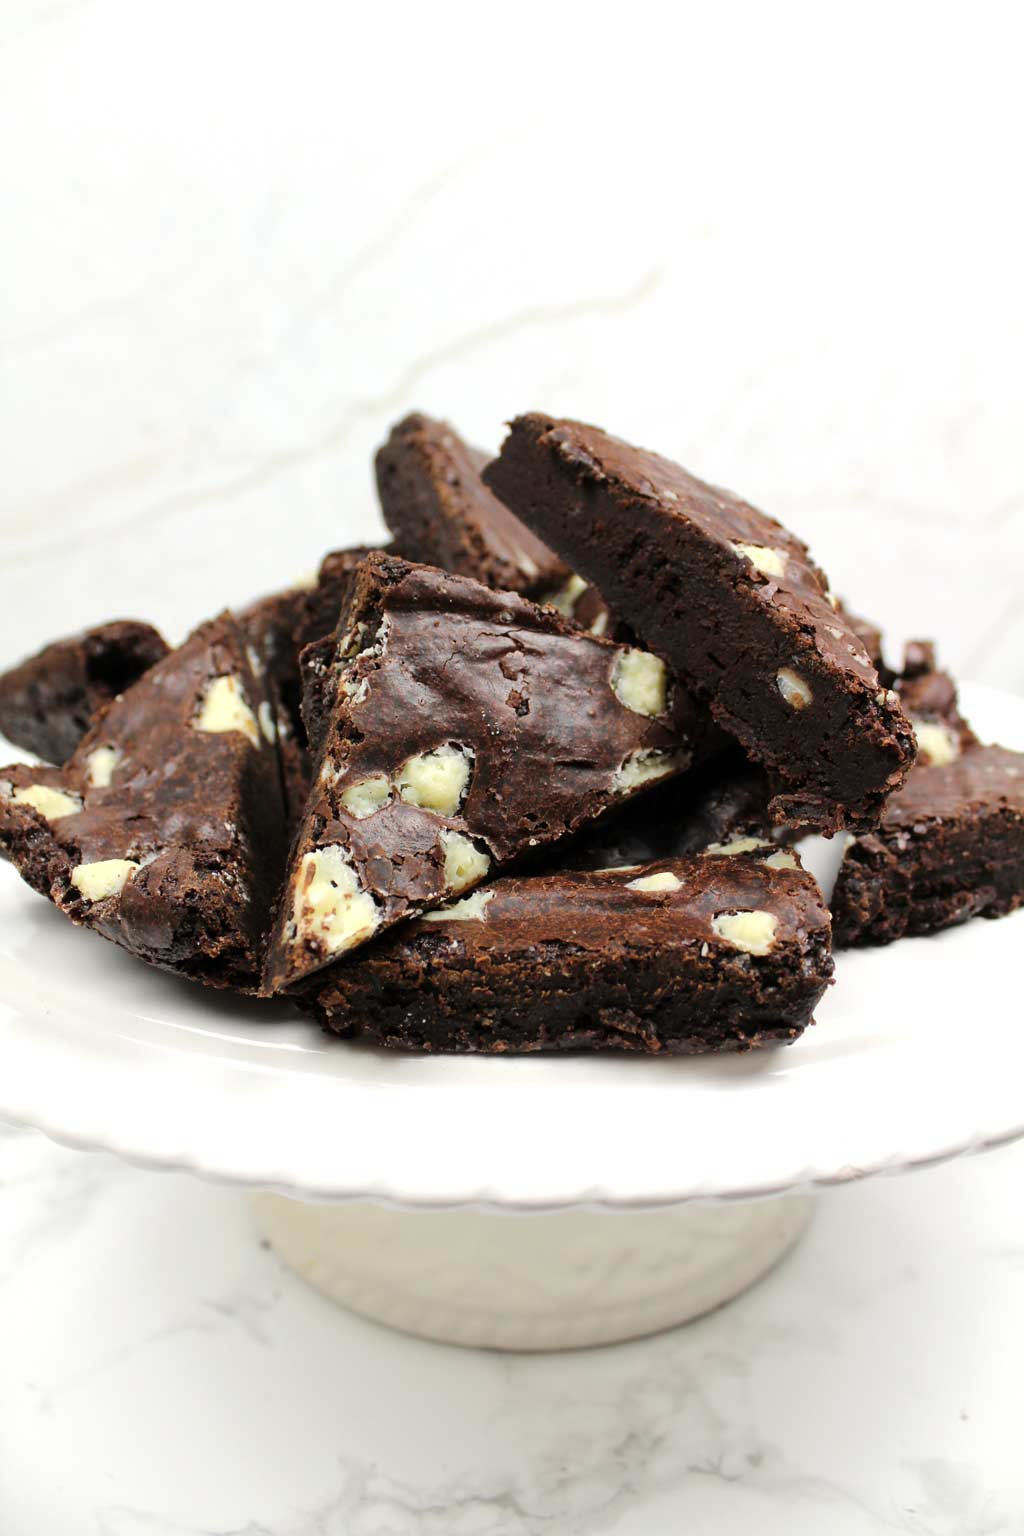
x=239, y=240
x=164, y=1376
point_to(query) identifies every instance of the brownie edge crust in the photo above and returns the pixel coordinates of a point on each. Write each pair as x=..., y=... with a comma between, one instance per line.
x=686, y=956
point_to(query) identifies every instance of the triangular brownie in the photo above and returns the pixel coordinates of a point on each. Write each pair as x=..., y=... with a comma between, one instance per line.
x=165, y=831
x=457, y=728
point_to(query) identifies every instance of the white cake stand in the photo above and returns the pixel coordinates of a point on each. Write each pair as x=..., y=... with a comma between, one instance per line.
x=531, y=1202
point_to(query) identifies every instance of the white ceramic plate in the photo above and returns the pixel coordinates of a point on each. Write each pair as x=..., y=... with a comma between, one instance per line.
x=918, y=1054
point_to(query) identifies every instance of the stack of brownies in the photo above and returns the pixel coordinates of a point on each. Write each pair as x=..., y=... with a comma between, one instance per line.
x=527, y=779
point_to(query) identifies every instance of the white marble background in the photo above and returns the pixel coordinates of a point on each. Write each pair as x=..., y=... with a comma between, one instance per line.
x=782, y=243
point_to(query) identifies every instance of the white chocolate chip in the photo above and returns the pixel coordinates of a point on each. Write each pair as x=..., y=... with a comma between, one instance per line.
x=646, y=765
x=665, y=880
x=268, y=725
x=330, y=773
x=738, y=845
x=464, y=864
x=640, y=682
x=355, y=692
x=330, y=908
x=937, y=745
x=471, y=909
x=54, y=804
x=255, y=660
x=437, y=780
x=101, y=764
x=225, y=708
x=566, y=598
x=753, y=932
x=526, y=565
x=793, y=688
x=365, y=797
x=600, y=624
x=359, y=643
x=770, y=562
x=782, y=860
x=107, y=877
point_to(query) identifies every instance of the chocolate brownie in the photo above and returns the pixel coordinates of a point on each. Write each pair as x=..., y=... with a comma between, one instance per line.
x=929, y=697
x=48, y=702
x=950, y=846
x=278, y=627
x=441, y=513
x=731, y=601
x=869, y=634
x=165, y=831
x=720, y=801
x=460, y=727
x=711, y=953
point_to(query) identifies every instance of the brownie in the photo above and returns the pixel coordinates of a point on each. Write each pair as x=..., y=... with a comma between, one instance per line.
x=48, y=702
x=165, y=831
x=929, y=697
x=440, y=512
x=457, y=728
x=278, y=627
x=710, y=953
x=731, y=601
x=950, y=846
x=869, y=634
x=720, y=801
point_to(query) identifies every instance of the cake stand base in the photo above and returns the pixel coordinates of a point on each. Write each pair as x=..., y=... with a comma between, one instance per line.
x=559, y=1280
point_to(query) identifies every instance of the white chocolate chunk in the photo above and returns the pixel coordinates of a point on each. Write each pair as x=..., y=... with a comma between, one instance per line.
x=737, y=845
x=255, y=660
x=770, y=562
x=646, y=765
x=528, y=566
x=566, y=598
x=464, y=864
x=107, y=877
x=437, y=780
x=101, y=765
x=225, y=708
x=936, y=743
x=268, y=725
x=355, y=692
x=782, y=860
x=665, y=880
x=330, y=908
x=793, y=688
x=753, y=932
x=640, y=682
x=600, y=624
x=367, y=796
x=471, y=909
x=307, y=581
x=51, y=803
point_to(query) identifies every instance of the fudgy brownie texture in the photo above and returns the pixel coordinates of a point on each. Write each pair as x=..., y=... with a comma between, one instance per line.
x=278, y=627
x=48, y=702
x=165, y=831
x=441, y=513
x=712, y=953
x=950, y=847
x=457, y=728
x=731, y=601
x=719, y=802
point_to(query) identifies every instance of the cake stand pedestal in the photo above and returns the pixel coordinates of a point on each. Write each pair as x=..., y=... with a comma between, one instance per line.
x=556, y=1280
